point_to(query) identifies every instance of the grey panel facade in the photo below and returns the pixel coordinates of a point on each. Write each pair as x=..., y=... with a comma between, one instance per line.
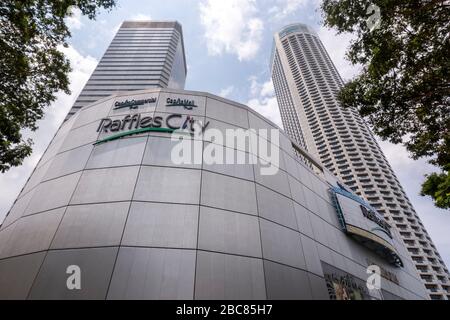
x=142, y=227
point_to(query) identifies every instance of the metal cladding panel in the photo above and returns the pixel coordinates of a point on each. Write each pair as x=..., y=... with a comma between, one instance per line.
x=140, y=225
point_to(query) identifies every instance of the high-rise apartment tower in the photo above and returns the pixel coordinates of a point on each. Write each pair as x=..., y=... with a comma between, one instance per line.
x=142, y=55
x=306, y=85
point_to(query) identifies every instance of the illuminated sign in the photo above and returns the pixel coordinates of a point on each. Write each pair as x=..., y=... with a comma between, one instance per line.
x=133, y=104
x=136, y=124
x=365, y=224
x=185, y=103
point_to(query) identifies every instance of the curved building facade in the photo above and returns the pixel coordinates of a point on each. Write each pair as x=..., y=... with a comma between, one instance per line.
x=108, y=200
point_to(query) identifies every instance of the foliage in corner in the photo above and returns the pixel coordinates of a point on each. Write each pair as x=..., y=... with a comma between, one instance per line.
x=403, y=88
x=32, y=69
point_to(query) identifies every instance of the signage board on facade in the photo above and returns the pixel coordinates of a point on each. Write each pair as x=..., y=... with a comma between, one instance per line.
x=133, y=103
x=365, y=224
x=342, y=285
x=177, y=102
x=138, y=123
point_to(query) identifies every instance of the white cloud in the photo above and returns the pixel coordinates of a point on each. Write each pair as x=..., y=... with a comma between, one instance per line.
x=264, y=89
x=232, y=27
x=336, y=46
x=267, y=107
x=283, y=8
x=267, y=89
x=73, y=21
x=255, y=86
x=12, y=181
x=226, y=91
x=141, y=17
x=263, y=100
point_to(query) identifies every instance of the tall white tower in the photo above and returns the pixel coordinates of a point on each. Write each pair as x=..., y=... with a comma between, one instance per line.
x=306, y=85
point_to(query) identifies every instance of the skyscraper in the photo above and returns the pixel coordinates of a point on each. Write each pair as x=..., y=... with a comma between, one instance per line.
x=142, y=55
x=306, y=84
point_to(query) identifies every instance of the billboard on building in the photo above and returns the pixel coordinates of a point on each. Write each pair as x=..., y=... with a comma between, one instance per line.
x=365, y=224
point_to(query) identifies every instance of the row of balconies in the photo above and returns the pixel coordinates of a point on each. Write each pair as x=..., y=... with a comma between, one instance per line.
x=434, y=280
x=439, y=297
x=432, y=288
x=440, y=275
x=427, y=262
x=433, y=258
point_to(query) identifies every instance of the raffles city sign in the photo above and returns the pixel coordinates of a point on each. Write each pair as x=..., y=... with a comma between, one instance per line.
x=234, y=146
x=134, y=124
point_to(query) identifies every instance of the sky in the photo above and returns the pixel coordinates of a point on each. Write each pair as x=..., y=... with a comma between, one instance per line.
x=228, y=45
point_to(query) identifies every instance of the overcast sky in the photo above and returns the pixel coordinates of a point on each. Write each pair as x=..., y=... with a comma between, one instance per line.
x=228, y=46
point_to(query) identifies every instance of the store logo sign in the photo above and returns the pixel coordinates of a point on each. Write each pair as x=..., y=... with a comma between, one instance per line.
x=133, y=104
x=185, y=103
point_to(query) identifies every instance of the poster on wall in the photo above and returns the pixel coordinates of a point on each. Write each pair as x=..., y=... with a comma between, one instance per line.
x=344, y=286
